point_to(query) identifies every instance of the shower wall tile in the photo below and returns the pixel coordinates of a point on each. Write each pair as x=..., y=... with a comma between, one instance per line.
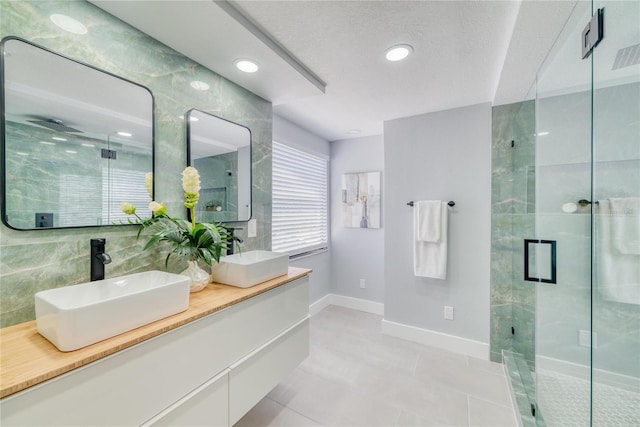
x=512, y=197
x=500, y=336
x=35, y=260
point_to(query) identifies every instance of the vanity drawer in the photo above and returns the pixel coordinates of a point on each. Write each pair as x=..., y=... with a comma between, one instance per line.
x=131, y=386
x=254, y=376
x=262, y=317
x=208, y=405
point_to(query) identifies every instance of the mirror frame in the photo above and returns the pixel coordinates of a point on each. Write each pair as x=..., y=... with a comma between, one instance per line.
x=187, y=118
x=3, y=198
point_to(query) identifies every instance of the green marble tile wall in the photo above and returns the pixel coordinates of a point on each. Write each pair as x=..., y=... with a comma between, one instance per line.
x=512, y=220
x=31, y=261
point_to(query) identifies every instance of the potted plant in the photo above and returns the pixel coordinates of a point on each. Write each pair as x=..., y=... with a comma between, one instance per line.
x=193, y=241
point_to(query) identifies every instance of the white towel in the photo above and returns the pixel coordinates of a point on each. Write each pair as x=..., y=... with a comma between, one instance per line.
x=430, y=258
x=625, y=225
x=428, y=222
x=618, y=275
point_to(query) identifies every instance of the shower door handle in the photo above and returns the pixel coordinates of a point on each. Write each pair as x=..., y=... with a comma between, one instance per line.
x=540, y=260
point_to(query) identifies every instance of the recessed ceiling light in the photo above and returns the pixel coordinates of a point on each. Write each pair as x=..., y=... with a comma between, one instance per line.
x=543, y=133
x=398, y=52
x=198, y=85
x=353, y=131
x=88, y=145
x=125, y=134
x=21, y=153
x=47, y=143
x=246, y=66
x=71, y=152
x=69, y=24
x=191, y=118
x=57, y=138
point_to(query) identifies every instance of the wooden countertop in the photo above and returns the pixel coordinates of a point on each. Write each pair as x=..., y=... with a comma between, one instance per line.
x=27, y=358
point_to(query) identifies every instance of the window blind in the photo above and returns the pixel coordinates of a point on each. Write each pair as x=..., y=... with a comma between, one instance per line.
x=123, y=185
x=299, y=212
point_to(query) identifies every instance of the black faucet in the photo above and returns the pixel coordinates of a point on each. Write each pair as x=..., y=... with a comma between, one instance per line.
x=233, y=238
x=98, y=259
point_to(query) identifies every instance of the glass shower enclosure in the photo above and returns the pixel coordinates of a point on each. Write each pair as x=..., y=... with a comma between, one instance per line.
x=587, y=357
x=581, y=247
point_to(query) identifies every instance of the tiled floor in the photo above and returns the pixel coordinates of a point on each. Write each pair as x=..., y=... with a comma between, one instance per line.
x=355, y=376
x=564, y=401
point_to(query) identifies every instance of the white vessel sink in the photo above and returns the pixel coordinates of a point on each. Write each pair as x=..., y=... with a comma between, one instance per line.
x=250, y=268
x=77, y=316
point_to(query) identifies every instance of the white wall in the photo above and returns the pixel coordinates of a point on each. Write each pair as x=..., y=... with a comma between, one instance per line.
x=444, y=155
x=356, y=253
x=290, y=134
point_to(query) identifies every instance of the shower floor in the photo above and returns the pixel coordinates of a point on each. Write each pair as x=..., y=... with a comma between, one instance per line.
x=564, y=401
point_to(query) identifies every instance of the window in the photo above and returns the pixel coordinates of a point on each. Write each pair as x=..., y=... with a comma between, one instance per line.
x=299, y=215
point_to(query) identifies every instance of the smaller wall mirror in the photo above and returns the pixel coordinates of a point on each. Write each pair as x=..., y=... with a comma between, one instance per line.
x=221, y=151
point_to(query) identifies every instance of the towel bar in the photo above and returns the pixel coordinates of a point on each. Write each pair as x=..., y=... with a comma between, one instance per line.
x=450, y=203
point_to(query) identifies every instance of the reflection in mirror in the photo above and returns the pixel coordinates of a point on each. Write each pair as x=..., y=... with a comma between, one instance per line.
x=76, y=141
x=221, y=151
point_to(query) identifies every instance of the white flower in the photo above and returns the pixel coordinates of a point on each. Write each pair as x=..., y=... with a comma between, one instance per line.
x=191, y=180
x=127, y=208
x=148, y=182
x=157, y=208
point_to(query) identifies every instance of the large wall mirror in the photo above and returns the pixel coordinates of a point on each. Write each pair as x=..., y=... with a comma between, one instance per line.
x=221, y=151
x=76, y=141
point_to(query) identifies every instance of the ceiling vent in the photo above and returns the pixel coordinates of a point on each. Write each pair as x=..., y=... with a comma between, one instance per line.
x=54, y=124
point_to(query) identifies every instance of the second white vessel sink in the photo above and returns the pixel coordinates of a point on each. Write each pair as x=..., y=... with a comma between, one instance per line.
x=250, y=268
x=77, y=316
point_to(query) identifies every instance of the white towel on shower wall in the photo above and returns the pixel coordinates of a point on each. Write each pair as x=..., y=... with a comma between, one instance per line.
x=625, y=225
x=617, y=274
x=430, y=258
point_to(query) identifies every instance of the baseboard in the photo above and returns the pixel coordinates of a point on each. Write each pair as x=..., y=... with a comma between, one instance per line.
x=583, y=372
x=317, y=306
x=448, y=342
x=347, y=302
x=358, y=304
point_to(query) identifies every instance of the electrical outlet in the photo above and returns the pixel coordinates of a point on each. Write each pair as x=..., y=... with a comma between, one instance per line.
x=448, y=312
x=585, y=338
x=362, y=284
x=251, y=228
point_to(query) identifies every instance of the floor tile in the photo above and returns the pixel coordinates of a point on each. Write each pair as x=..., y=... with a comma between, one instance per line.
x=453, y=371
x=487, y=414
x=355, y=376
x=434, y=404
x=331, y=403
x=268, y=413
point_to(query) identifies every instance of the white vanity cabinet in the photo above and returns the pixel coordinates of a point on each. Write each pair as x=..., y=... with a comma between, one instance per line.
x=207, y=405
x=208, y=372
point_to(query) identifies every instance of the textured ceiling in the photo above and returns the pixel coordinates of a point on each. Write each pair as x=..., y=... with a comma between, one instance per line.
x=459, y=49
x=465, y=52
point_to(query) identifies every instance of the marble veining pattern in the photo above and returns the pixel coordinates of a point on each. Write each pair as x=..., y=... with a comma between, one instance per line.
x=512, y=220
x=34, y=260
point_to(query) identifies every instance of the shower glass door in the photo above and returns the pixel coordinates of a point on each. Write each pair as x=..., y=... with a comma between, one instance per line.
x=563, y=177
x=615, y=308
x=587, y=363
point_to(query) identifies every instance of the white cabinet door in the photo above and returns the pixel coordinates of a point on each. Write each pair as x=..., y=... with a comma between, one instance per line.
x=265, y=316
x=129, y=387
x=208, y=405
x=255, y=375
